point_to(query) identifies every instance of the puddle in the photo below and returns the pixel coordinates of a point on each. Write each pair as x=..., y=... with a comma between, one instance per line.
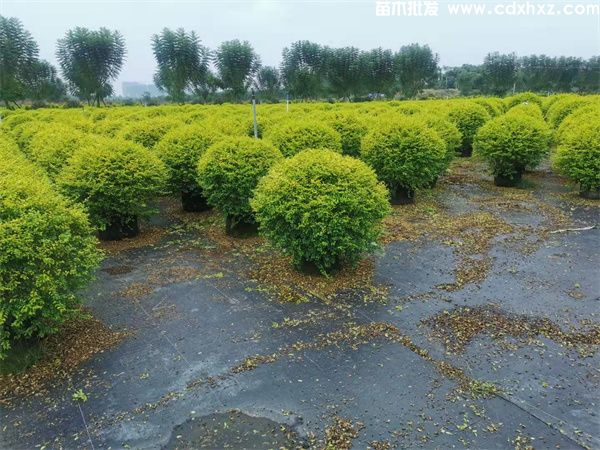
x=233, y=430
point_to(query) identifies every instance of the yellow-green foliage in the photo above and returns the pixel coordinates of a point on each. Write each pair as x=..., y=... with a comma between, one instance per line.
x=447, y=131
x=494, y=108
x=589, y=113
x=148, y=132
x=229, y=171
x=529, y=109
x=563, y=107
x=180, y=150
x=52, y=146
x=512, y=142
x=405, y=153
x=47, y=251
x=24, y=132
x=114, y=179
x=227, y=124
x=321, y=208
x=468, y=118
x=578, y=154
x=351, y=129
x=547, y=102
x=523, y=97
x=292, y=137
x=109, y=127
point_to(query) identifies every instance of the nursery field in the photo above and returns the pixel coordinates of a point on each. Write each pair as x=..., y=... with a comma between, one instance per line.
x=405, y=274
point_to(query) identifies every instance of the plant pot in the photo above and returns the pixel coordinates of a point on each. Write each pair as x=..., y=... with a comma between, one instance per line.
x=194, y=201
x=503, y=181
x=591, y=194
x=119, y=228
x=402, y=196
x=240, y=228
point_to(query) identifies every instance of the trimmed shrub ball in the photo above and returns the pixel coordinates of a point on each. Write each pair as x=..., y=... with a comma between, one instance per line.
x=295, y=136
x=510, y=143
x=448, y=132
x=148, y=132
x=493, y=106
x=468, y=118
x=181, y=150
x=228, y=173
x=47, y=252
x=578, y=157
x=115, y=179
x=563, y=107
x=406, y=154
x=523, y=98
x=51, y=147
x=351, y=129
x=322, y=208
x=528, y=109
x=590, y=113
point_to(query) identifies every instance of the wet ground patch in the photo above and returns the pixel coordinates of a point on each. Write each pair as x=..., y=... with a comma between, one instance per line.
x=233, y=430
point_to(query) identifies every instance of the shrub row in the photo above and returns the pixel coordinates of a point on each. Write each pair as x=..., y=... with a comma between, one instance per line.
x=47, y=251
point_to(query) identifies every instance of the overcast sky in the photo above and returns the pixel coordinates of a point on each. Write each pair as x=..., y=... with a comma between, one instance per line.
x=270, y=25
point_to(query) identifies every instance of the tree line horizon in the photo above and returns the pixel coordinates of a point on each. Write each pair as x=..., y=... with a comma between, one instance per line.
x=187, y=71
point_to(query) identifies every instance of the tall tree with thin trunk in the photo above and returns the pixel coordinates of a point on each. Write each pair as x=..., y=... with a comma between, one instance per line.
x=236, y=63
x=90, y=61
x=18, y=56
x=416, y=68
x=43, y=83
x=379, y=76
x=500, y=72
x=268, y=83
x=182, y=63
x=344, y=71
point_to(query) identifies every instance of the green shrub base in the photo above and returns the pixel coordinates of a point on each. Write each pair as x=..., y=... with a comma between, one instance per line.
x=402, y=196
x=590, y=194
x=21, y=355
x=120, y=228
x=240, y=227
x=466, y=151
x=194, y=201
x=505, y=181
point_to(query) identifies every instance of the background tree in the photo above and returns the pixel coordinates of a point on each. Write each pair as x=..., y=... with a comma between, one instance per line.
x=43, y=83
x=378, y=71
x=589, y=78
x=182, y=62
x=236, y=64
x=90, y=60
x=535, y=73
x=343, y=71
x=568, y=70
x=207, y=87
x=18, y=55
x=268, y=83
x=470, y=80
x=303, y=69
x=416, y=68
x=500, y=72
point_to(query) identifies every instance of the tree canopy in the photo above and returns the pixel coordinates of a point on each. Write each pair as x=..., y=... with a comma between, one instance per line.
x=182, y=62
x=90, y=60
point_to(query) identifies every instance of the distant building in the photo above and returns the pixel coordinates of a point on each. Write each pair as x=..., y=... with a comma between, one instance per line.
x=133, y=89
